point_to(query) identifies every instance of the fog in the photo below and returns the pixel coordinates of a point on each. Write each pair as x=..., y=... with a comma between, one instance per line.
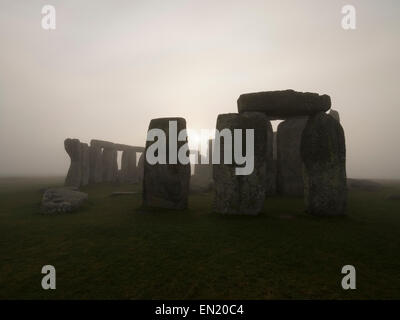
x=112, y=66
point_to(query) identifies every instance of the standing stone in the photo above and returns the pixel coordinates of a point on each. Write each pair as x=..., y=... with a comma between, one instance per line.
x=289, y=163
x=271, y=162
x=335, y=114
x=128, y=166
x=166, y=185
x=140, y=167
x=110, y=165
x=202, y=180
x=241, y=194
x=323, y=151
x=85, y=164
x=96, y=163
x=73, y=148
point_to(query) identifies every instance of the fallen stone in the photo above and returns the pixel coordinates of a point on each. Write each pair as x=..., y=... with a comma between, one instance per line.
x=62, y=200
x=393, y=197
x=85, y=164
x=284, y=104
x=123, y=193
x=323, y=152
x=364, y=185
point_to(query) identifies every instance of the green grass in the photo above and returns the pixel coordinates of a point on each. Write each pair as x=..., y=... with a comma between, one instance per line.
x=112, y=249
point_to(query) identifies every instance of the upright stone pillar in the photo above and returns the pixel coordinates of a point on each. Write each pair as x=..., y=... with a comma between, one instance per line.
x=166, y=185
x=323, y=151
x=289, y=163
x=241, y=194
x=271, y=163
x=110, y=165
x=85, y=164
x=74, y=175
x=96, y=163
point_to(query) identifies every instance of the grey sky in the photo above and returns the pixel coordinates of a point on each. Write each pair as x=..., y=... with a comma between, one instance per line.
x=112, y=66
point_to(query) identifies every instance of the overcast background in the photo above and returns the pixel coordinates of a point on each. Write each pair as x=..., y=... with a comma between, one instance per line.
x=112, y=66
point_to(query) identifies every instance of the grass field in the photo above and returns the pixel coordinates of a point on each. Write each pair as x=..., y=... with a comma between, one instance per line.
x=111, y=249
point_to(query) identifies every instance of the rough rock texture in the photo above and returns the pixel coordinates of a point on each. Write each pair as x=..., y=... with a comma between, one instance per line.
x=110, y=165
x=284, y=104
x=323, y=152
x=289, y=163
x=96, y=163
x=140, y=167
x=166, y=185
x=270, y=182
x=62, y=200
x=85, y=164
x=74, y=175
x=334, y=114
x=242, y=194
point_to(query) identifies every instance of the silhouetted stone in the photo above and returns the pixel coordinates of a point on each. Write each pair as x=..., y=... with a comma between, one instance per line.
x=140, y=167
x=202, y=180
x=166, y=185
x=242, y=194
x=395, y=196
x=289, y=163
x=96, y=162
x=323, y=152
x=334, y=114
x=85, y=164
x=270, y=183
x=73, y=148
x=110, y=165
x=62, y=200
x=284, y=104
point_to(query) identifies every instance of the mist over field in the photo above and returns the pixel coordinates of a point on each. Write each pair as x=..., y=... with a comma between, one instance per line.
x=110, y=67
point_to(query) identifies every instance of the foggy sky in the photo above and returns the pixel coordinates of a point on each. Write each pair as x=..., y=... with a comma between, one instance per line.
x=112, y=66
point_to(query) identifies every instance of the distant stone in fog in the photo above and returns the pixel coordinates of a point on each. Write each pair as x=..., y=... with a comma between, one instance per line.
x=73, y=148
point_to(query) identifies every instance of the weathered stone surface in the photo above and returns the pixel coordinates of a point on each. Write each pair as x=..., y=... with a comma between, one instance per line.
x=166, y=185
x=96, y=162
x=74, y=175
x=110, y=165
x=334, y=114
x=140, y=167
x=236, y=194
x=289, y=163
x=85, y=164
x=323, y=152
x=270, y=183
x=62, y=200
x=284, y=104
